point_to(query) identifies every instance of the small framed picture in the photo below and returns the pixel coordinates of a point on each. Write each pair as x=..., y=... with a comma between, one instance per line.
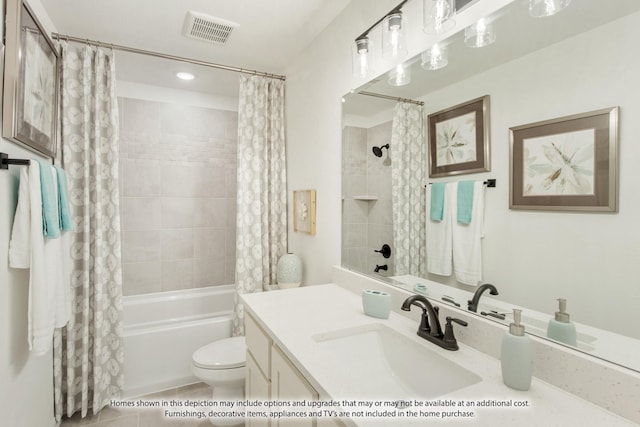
x=31, y=70
x=304, y=211
x=566, y=164
x=459, y=139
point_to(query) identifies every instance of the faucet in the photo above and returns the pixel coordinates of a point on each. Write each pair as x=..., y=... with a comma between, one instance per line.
x=380, y=267
x=430, y=328
x=473, y=302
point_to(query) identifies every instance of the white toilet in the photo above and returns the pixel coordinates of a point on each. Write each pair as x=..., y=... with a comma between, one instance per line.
x=221, y=364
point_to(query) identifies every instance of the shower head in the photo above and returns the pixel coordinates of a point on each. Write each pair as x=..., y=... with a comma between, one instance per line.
x=377, y=151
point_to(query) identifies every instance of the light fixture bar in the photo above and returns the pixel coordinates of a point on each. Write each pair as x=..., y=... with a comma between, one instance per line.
x=392, y=11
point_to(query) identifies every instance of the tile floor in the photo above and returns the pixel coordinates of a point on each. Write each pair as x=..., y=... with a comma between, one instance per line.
x=136, y=417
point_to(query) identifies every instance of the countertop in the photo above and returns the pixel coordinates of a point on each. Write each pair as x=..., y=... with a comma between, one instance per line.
x=293, y=316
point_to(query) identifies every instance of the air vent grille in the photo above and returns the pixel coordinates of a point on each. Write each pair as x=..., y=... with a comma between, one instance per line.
x=207, y=28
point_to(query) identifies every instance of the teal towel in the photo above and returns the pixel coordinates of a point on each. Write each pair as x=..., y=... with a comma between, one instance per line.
x=50, y=216
x=465, y=201
x=63, y=200
x=437, y=200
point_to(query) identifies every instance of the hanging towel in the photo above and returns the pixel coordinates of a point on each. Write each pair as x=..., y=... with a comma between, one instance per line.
x=63, y=200
x=27, y=250
x=50, y=215
x=467, y=241
x=465, y=201
x=439, y=243
x=437, y=201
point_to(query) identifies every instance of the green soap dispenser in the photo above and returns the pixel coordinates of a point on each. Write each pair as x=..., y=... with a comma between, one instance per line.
x=560, y=328
x=517, y=355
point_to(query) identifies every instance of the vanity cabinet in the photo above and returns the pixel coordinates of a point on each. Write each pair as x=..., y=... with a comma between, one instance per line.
x=270, y=375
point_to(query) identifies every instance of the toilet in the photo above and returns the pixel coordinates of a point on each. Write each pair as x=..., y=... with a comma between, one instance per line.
x=221, y=364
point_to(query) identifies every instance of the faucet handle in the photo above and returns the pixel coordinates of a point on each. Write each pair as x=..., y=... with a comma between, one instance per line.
x=449, y=339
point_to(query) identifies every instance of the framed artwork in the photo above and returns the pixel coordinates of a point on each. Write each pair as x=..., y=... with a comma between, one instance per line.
x=566, y=164
x=31, y=71
x=304, y=211
x=459, y=139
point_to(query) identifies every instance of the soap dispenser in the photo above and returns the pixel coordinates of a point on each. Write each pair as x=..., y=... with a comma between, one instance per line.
x=560, y=328
x=516, y=355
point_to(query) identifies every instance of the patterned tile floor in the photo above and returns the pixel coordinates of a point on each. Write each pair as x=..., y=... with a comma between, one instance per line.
x=136, y=417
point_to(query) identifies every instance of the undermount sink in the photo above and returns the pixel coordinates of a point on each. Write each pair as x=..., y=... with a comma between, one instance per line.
x=379, y=362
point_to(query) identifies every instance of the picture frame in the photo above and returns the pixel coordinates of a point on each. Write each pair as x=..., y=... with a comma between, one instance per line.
x=459, y=139
x=566, y=164
x=304, y=211
x=31, y=81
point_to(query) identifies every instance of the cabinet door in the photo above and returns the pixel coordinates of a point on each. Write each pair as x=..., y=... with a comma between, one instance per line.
x=256, y=388
x=288, y=384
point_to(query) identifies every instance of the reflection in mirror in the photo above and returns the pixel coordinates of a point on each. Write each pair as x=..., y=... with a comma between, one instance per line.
x=580, y=59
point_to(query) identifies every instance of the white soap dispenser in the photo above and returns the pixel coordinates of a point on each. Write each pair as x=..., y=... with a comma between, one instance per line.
x=517, y=355
x=560, y=328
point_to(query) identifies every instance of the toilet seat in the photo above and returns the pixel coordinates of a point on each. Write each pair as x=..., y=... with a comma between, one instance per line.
x=227, y=353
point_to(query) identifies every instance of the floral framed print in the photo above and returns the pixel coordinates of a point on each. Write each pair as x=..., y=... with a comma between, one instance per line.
x=459, y=139
x=31, y=71
x=566, y=164
x=304, y=211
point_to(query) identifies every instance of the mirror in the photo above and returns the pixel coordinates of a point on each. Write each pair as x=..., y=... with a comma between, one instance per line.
x=580, y=60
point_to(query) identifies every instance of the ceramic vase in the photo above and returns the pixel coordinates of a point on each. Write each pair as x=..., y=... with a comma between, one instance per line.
x=289, y=271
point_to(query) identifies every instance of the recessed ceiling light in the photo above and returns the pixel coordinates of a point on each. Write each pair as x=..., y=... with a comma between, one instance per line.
x=185, y=76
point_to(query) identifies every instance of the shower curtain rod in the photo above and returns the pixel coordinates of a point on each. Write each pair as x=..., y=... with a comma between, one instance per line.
x=164, y=56
x=393, y=98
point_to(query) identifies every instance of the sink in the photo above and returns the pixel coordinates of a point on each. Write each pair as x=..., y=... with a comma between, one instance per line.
x=375, y=361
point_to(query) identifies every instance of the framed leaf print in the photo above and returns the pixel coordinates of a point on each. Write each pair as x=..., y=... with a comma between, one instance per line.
x=31, y=81
x=566, y=164
x=459, y=139
x=304, y=211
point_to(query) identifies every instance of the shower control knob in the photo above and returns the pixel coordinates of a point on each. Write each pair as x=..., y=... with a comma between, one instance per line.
x=385, y=251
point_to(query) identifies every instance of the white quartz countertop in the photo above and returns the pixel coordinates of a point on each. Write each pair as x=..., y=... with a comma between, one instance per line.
x=293, y=316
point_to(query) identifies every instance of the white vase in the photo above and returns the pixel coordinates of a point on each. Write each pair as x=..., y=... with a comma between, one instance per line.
x=289, y=272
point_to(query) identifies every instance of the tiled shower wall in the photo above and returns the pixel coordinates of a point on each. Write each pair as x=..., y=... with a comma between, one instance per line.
x=178, y=196
x=367, y=225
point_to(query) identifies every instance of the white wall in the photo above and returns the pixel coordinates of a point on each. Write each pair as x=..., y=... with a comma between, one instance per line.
x=26, y=381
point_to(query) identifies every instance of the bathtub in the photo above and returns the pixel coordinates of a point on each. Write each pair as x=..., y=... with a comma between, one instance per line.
x=162, y=330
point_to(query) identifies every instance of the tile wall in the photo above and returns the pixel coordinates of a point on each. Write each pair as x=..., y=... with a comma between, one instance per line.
x=178, y=196
x=367, y=225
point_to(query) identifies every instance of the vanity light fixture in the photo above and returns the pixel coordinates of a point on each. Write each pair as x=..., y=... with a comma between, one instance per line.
x=543, y=8
x=480, y=34
x=362, y=57
x=183, y=75
x=437, y=16
x=435, y=57
x=400, y=75
x=393, y=43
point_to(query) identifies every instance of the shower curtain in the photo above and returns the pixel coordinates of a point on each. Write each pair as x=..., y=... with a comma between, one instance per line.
x=261, y=221
x=408, y=173
x=88, y=355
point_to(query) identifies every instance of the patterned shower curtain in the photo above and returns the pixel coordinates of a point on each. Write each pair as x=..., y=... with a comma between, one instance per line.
x=408, y=175
x=88, y=356
x=261, y=222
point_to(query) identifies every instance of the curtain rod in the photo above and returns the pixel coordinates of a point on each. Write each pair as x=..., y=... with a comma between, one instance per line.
x=164, y=56
x=393, y=98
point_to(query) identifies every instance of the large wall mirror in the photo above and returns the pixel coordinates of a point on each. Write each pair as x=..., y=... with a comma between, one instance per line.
x=580, y=60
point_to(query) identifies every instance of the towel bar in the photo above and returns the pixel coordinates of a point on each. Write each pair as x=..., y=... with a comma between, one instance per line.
x=490, y=183
x=5, y=161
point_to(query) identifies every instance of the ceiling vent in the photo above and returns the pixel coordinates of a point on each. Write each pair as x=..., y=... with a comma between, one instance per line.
x=207, y=28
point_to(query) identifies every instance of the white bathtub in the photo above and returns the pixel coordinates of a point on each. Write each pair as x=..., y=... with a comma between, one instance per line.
x=162, y=330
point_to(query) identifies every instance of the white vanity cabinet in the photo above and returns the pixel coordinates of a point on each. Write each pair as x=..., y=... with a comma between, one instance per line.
x=270, y=375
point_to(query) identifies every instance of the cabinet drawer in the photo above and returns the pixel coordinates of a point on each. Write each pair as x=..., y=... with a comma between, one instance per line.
x=258, y=344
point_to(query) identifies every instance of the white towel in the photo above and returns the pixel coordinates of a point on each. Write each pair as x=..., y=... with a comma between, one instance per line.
x=49, y=305
x=467, y=244
x=439, y=242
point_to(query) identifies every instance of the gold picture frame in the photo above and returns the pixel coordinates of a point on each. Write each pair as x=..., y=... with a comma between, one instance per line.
x=304, y=211
x=31, y=81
